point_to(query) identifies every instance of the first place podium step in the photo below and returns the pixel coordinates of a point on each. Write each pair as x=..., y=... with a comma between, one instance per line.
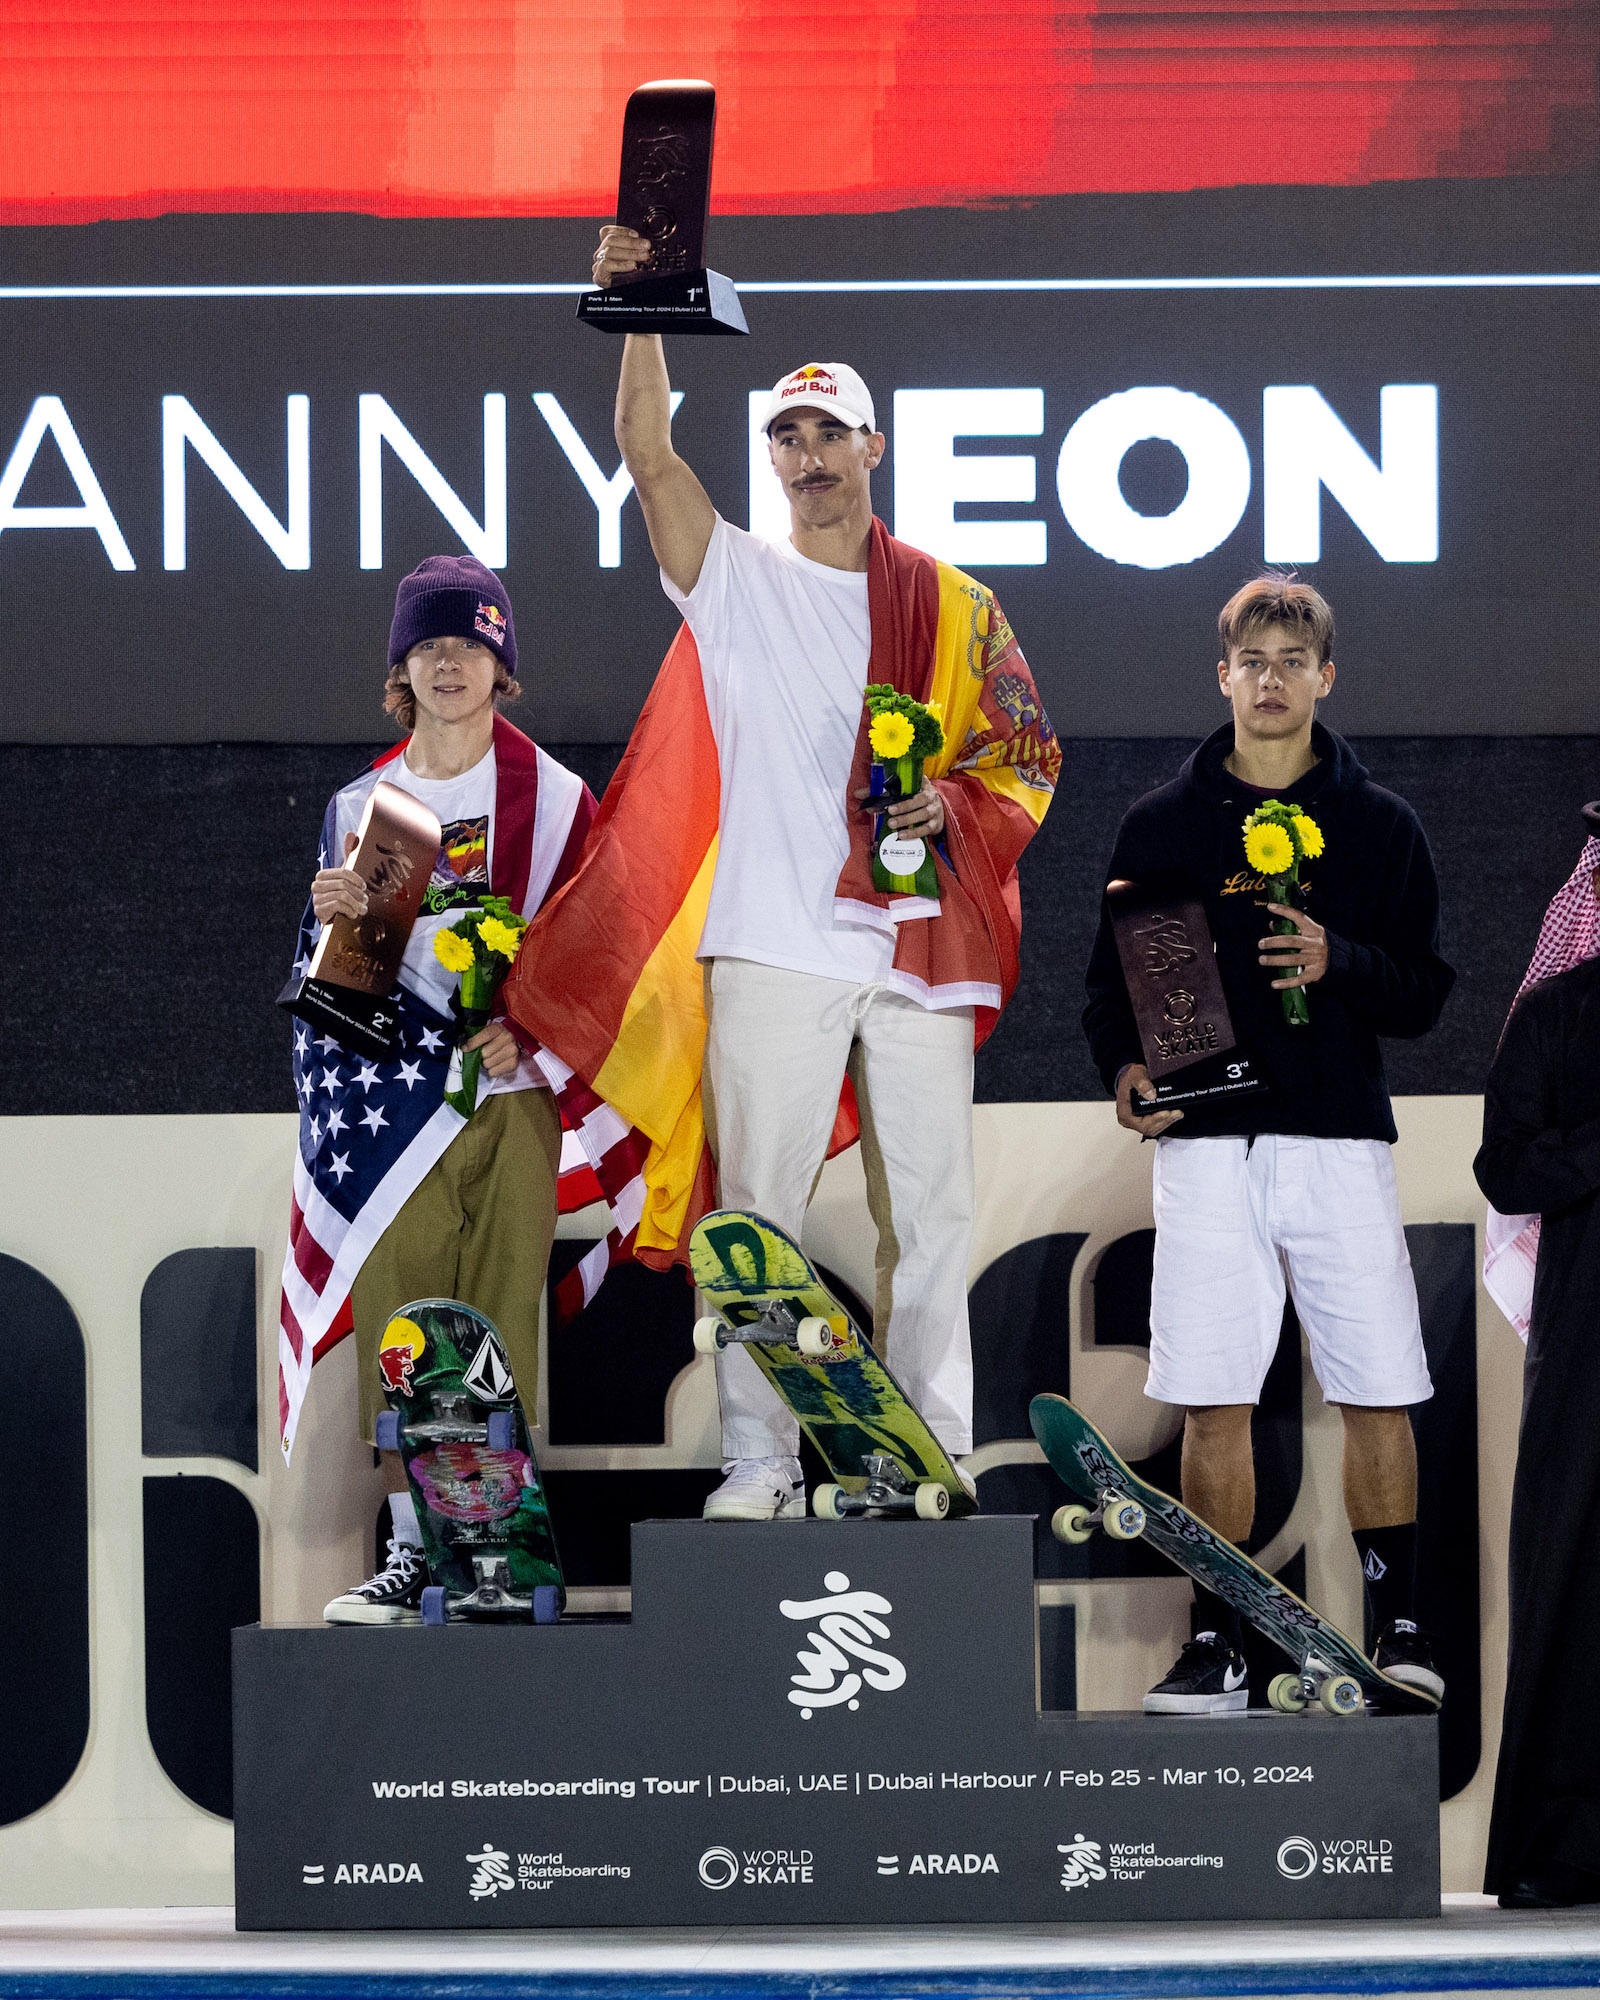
x=830, y=1722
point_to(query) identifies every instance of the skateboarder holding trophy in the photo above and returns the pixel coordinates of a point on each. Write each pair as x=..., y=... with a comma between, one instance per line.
x=1293, y=1184
x=400, y=1194
x=815, y=978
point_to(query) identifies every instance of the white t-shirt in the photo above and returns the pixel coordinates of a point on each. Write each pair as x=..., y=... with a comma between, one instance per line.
x=783, y=645
x=461, y=877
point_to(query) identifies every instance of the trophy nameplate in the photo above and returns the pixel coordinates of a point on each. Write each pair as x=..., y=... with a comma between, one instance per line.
x=348, y=990
x=1169, y=963
x=664, y=193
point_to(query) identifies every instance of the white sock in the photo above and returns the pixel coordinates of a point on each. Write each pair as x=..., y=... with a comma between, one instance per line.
x=403, y=1513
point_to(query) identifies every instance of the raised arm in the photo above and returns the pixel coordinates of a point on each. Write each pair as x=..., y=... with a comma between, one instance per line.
x=676, y=510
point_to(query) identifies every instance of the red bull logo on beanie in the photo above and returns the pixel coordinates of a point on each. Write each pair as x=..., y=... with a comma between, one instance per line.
x=401, y=1348
x=490, y=622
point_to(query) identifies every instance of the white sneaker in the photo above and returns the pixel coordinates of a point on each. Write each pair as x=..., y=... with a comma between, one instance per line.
x=759, y=1489
x=967, y=1480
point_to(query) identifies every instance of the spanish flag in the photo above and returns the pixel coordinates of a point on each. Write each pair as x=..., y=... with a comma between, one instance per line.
x=607, y=978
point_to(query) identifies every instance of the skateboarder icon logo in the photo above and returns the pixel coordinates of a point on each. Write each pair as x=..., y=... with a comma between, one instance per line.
x=849, y=1622
x=491, y=1873
x=1082, y=1863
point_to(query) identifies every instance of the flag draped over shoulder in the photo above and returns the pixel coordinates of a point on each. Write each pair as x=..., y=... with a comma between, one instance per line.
x=607, y=978
x=370, y=1131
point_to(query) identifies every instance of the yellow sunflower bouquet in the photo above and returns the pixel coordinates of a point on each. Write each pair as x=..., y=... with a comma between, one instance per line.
x=1277, y=838
x=901, y=733
x=480, y=947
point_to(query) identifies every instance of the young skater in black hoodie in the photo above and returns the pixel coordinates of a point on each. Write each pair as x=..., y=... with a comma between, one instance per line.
x=1295, y=1182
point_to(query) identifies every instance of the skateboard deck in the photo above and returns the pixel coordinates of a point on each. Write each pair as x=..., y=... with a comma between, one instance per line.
x=454, y=1417
x=1331, y=1669
x=768, y=1298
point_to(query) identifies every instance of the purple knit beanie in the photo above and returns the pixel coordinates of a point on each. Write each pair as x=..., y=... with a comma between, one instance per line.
x=452, y=597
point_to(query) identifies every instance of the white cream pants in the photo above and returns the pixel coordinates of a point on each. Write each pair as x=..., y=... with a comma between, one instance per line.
x=777, y=1048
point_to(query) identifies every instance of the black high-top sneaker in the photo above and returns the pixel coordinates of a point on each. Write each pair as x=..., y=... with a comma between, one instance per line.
x=1208, y=1678
x=392, y=1597
x=1403, y=1653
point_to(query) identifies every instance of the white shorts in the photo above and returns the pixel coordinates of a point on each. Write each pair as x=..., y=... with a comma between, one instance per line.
x=1237, y=1218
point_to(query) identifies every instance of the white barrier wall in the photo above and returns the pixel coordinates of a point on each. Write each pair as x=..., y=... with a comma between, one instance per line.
x=94, y=1204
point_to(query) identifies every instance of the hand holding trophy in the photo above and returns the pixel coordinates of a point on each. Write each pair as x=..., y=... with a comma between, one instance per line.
x=650, y=268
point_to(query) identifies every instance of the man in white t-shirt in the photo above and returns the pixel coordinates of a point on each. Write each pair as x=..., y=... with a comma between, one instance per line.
x=394, y=1189
x=803, y=981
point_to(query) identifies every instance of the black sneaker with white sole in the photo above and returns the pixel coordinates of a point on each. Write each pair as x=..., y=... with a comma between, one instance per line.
x=1208, y=1678
x=1404, y=1654
x=392, y=1597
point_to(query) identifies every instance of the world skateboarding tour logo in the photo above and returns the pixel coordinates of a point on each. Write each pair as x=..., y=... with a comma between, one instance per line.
x=1082, y=1863
x=491, y=1873
x=848, y=1623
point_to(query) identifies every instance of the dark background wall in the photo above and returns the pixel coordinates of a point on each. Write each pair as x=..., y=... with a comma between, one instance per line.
x=155, y=893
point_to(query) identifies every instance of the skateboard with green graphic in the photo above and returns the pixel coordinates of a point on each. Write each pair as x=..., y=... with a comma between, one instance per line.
x=1333, y=1672
x=454, y=1418
x=769, y=1299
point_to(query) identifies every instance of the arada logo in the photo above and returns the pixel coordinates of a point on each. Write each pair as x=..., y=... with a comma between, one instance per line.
x=401, y=1348
x=491, y=1873
x=487, y=1375
x=849, y=1622
x=719, y=1868
x=1297, y=1858
x=1081, y=1865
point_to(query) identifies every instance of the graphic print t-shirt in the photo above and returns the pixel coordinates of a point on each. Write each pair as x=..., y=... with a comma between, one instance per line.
x=465, y=807
x=783, y=645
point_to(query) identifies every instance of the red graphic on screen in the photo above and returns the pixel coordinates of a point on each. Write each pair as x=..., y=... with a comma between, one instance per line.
x=445, y=107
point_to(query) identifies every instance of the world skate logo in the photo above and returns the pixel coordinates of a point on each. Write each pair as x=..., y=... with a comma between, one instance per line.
x=1082, y=1863
x=842, y=1656
x=491, y=1873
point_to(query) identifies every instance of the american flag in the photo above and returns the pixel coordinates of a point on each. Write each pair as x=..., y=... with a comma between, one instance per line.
x=371, y=1130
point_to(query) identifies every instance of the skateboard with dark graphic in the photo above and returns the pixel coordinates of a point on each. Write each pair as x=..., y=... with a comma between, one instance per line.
x=769, y=1299
x=455, y=1420
x=1333, y=1672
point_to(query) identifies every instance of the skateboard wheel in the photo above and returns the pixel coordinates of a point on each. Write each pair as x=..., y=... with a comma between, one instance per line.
x=501, y=1430
x=1072, y=1523
x=814, y=1336
x=827, y=1503
x=1341, y=1695
x=1286, y=1694
x=1123, y=1520
x=546, y=1603
x=933, y=1501
x=433, y=1605
x=708, y=1335
x=388, y=1431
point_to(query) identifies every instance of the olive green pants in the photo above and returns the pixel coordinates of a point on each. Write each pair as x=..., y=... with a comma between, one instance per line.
x=478, y=1228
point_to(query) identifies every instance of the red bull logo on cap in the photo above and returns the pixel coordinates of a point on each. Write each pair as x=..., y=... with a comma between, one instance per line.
x=490, y=621
x=401, y=1348
x=810, y=381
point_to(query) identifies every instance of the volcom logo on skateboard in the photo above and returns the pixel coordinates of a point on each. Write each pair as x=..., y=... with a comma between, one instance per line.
x=487, y=1375
x=849, y=1622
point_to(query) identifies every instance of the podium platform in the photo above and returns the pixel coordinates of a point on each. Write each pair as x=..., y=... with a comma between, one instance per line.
x=827, y=1722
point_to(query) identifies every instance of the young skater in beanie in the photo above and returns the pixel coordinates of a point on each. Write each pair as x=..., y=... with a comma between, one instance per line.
x=404, y=1197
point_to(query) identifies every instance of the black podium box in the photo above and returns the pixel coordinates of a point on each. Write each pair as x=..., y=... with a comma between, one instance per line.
x=827, y=1722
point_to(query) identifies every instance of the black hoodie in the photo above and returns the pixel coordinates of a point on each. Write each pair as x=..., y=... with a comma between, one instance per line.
x=1374, y=892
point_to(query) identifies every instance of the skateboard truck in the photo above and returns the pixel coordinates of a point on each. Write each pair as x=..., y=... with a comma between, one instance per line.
x=1122, y=1519
x=493, y=1598
x=1317, y=1682
x=449, y=1424
x=887, y=1491
x=817, y=1339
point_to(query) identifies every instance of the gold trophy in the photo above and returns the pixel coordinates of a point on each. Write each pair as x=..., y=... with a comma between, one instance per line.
x=347, y=993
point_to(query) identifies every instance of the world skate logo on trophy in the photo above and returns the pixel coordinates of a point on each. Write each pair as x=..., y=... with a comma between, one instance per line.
x=843, y=1656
